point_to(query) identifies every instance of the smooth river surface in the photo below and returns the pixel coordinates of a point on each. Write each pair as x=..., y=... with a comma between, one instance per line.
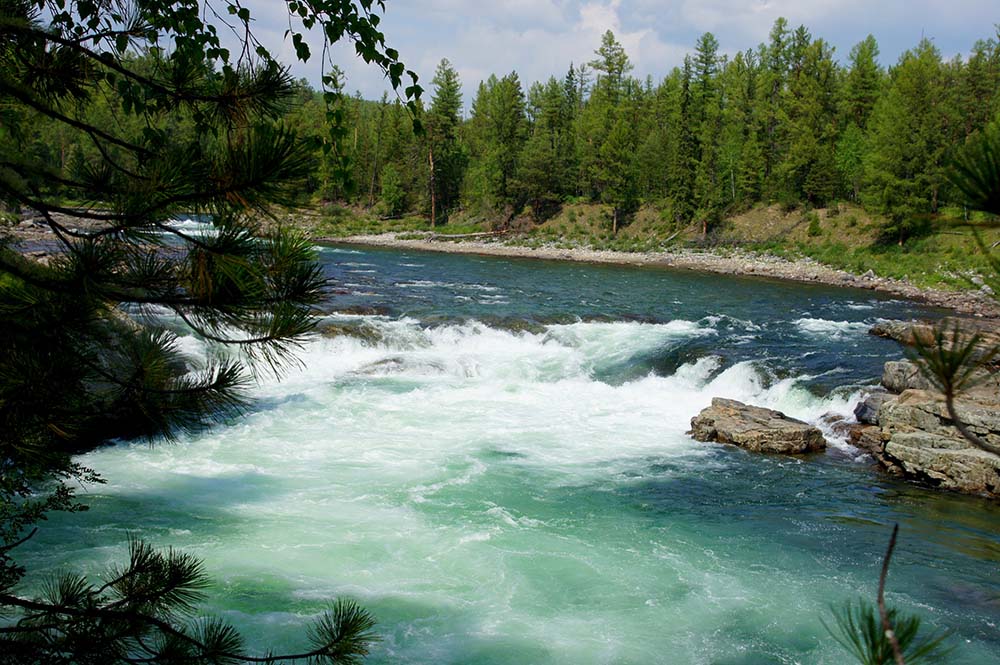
x=495, y=463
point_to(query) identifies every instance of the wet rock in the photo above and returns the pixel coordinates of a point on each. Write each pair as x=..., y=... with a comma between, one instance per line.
x=866, y=412
x=363, y=310
x=366, y=333
x=837, y=424
x=755, y=428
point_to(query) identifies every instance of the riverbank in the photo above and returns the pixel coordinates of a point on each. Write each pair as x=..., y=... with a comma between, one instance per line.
x=35, y=235
x=722, y=261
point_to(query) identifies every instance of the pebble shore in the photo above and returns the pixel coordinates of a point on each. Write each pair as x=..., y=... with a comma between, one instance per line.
x=731, y=262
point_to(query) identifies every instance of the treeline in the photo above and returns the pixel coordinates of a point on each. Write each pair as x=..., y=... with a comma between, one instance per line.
x=785, y=122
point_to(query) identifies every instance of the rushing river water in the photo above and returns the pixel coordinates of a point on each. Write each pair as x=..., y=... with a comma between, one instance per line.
x=495, y=464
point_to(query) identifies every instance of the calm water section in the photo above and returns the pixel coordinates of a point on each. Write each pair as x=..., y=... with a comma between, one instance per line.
x=492, y=458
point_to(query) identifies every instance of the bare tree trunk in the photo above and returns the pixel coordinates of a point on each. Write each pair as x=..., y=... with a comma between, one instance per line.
x=614, y=221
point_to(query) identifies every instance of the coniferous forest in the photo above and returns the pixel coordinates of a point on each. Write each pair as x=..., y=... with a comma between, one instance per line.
x=789, y=121
x=299, y=439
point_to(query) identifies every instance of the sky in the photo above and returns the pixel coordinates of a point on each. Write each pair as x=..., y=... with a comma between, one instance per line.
x=540, y=38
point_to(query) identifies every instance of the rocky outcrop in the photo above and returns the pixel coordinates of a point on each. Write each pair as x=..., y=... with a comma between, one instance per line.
x=920, y=440
x=755, y=428
x=907, y=332
x=913, y=436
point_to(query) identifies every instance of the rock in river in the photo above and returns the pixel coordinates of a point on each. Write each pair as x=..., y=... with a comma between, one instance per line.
x=755, y=428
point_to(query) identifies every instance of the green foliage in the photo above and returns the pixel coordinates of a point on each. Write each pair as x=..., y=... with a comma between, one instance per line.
x=442, y=123
x=858, y=629
x=784, y=122
x=140, y=612
x=393, y=194
x=911, y=132
x=814, y=230
x=137, y=111
x=976, y=170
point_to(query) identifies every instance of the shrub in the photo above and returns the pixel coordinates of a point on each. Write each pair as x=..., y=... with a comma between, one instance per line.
x=814, y=229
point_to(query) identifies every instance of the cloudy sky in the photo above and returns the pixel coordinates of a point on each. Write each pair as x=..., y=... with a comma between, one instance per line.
x=538, y=38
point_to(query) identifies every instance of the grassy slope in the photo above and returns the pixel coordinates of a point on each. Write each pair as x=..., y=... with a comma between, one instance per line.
x=843, y=237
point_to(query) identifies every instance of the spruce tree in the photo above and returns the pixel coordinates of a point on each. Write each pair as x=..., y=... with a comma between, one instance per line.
x=445, y=155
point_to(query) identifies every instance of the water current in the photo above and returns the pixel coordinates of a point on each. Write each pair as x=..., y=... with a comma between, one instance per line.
x=492, y=458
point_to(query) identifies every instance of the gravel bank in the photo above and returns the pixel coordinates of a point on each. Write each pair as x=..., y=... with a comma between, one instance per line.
x=732, y=262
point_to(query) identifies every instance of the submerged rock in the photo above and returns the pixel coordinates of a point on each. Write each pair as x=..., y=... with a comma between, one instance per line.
x=366, y=333
x=755, y=428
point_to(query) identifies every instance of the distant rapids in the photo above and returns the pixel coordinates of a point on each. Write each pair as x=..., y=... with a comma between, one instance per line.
x=490, y=454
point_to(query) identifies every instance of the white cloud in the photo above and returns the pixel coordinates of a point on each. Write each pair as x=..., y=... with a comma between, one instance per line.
x=539, y=38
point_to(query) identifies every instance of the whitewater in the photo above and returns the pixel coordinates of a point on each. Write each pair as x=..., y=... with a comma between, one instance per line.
x=491, y=456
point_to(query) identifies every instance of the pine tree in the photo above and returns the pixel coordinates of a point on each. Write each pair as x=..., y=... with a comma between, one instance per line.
x=613, y=64
x=807, y=168
x=543, y=176
x=77, y=365
x=446, y=158
x=498, y=130
x=864, y=82
x=909, y=139
x=614, y=174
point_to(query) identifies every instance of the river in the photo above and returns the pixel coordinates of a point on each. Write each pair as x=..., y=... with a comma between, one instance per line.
x=495, y=464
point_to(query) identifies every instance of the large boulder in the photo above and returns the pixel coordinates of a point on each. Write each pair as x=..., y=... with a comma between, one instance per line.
x=755, y=428
x=907, y=332
x=901, y=375
x=919, y=438
x=915, y=436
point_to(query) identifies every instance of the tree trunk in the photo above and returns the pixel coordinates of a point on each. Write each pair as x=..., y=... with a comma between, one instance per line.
x=430, y=158
x=614, y=222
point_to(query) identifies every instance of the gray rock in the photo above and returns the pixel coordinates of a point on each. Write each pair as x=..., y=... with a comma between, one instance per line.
x=902, y=375
x=905, y=332
x=866, y=412
x=755, y=428
x=361, y=331
x=869, y=275
x=918, y=440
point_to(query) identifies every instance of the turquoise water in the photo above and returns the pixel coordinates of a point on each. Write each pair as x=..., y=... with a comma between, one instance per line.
x=496, y=466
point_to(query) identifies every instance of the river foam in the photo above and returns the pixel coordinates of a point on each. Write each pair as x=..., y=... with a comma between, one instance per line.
x=516, y=485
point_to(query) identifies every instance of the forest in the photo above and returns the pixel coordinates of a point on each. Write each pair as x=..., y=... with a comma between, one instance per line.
x=787, y=122
x=491, y=455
